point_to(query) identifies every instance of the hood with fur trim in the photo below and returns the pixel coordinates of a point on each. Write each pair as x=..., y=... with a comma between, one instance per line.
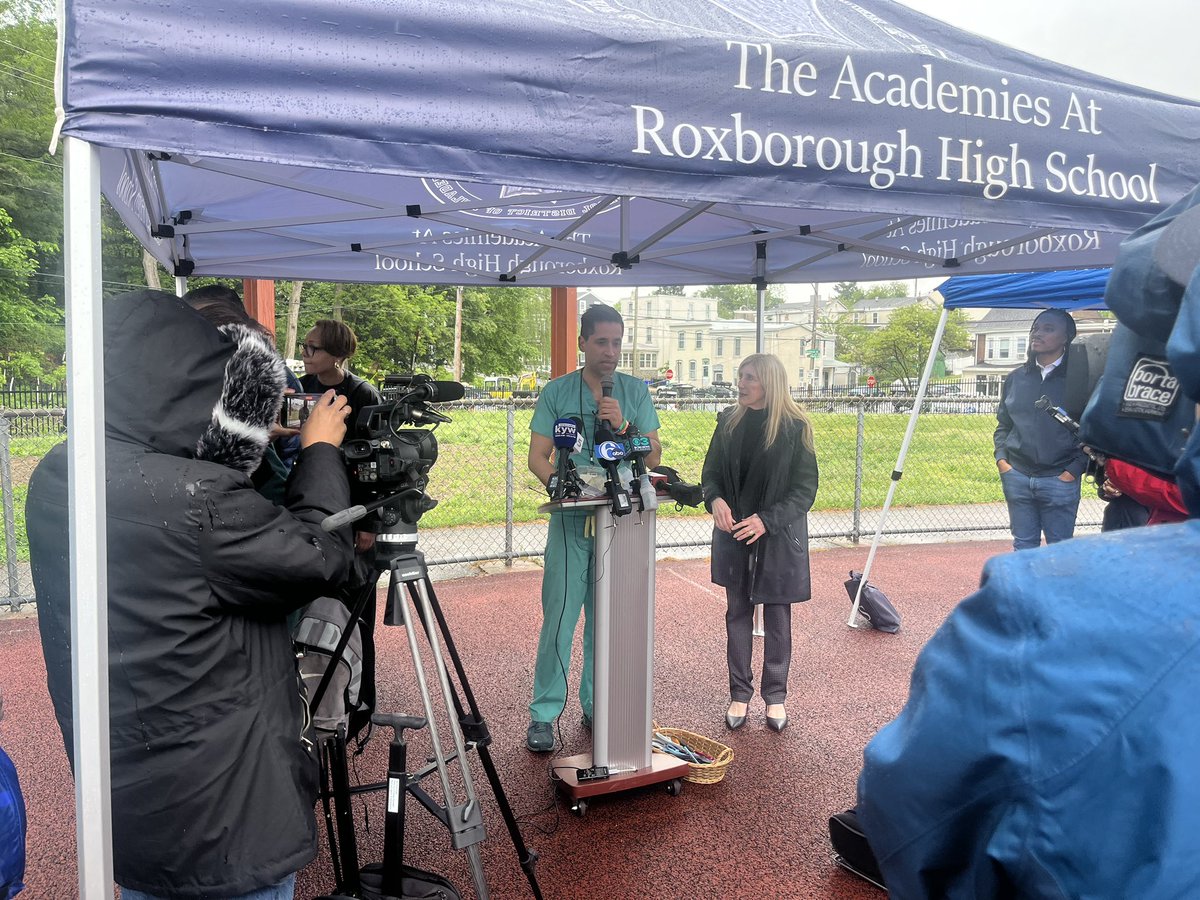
x=252, y=394
x=174, y=384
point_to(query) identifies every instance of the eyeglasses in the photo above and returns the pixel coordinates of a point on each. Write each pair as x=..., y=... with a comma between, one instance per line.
x=310, y=349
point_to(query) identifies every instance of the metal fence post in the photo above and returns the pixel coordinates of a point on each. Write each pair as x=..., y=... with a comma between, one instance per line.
x=856, y=525
x=510, y=479
x=10, y=518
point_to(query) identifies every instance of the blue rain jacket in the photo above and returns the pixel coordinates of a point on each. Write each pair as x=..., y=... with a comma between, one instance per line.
x=1050, y=746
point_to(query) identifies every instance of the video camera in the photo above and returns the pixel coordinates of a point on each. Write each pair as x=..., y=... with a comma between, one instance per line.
x=388, y=463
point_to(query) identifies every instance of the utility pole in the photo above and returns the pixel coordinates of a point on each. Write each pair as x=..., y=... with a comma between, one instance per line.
x=293, y=320
x=814, y=348
x=458, y=333
x=633, y=344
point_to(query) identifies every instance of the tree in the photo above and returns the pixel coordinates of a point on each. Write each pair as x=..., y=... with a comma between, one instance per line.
x=671, y=290
x=732, y=297
x=410, y=328
x=30, y=179
x=900, y=348
x=31, y=328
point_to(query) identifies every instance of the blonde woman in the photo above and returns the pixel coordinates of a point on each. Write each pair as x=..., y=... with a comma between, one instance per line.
x=760, y=480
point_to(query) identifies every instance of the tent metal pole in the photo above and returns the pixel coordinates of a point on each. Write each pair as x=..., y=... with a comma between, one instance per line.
x=88, y=537
x=898, y=472
x=760, y=281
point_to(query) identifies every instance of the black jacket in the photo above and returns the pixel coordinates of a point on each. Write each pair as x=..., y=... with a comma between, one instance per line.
x=1030, y=439
x=787, y=477
x=213, y=784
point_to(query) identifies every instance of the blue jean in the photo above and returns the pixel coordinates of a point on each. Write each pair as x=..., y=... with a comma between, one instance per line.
x=281, y=890
x=1038, y=505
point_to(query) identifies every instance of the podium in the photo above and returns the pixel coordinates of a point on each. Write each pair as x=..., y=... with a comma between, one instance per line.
x=623, y=656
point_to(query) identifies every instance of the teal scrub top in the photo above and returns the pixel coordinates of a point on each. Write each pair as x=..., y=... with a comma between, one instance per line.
x=569, y=396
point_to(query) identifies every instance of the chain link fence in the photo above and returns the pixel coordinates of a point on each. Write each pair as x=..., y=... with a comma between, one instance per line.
x=488, y=500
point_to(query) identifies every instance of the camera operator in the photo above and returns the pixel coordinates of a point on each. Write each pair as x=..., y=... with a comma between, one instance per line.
x=213, y=779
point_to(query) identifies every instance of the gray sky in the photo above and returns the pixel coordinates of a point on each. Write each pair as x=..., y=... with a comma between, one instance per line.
x=1151, y=43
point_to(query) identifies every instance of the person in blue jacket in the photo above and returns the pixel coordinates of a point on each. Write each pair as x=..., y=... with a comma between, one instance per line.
x=1040, y=462
x=1049, y=744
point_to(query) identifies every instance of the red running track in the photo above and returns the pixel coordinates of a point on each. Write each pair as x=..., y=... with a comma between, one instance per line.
x=760, y=833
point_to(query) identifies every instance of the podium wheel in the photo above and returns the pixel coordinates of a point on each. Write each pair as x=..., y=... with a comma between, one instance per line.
x=675, y=787
x=579, y=807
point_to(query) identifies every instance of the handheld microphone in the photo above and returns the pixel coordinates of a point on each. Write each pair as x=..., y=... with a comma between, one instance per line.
x=608, y=452
x=606, y=390
x=1059, y=414
x=567, y=440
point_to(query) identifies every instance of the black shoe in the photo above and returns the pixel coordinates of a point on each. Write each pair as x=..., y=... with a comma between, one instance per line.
x=540, y=737
x=733, y=722
x=777, y=724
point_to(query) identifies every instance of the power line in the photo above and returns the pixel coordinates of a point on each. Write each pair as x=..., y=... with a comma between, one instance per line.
x=42, y=162
x=26, y=50
x=21, y=75
x=21, y=187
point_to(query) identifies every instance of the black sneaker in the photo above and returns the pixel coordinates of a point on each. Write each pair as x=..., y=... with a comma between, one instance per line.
x=540, y=737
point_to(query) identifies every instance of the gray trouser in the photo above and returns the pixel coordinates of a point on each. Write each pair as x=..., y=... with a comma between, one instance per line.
x=777, y=648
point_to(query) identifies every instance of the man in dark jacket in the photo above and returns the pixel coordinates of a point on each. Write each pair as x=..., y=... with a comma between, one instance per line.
x=1040, y=462
x=213, y=779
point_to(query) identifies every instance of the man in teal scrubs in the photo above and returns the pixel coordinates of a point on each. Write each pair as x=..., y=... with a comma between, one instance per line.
x=567, y=577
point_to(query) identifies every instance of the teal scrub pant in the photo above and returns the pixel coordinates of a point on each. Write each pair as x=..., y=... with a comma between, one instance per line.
x=566, y=590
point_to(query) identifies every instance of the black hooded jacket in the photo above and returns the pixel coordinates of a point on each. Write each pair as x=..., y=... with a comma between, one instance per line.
x=775, y=568
x=213, y=782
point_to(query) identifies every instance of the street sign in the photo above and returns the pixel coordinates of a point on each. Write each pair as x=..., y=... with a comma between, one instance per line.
x=669, y=374
x=814, y=353
x=870, y=381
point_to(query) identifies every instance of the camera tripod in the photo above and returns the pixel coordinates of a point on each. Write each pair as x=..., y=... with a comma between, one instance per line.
x=467, y=731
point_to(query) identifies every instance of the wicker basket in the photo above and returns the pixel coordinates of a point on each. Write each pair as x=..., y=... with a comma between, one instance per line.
x=702, y=773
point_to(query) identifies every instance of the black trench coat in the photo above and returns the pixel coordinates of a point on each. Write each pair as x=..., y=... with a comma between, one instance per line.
x=775, y=568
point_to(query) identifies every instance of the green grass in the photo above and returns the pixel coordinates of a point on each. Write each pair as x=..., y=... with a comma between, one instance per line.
x=949, y=462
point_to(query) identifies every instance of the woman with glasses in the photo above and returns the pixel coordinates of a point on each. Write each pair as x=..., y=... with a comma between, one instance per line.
x=325, y=350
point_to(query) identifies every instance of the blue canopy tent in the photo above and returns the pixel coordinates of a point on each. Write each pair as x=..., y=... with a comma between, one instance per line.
x=598, y=142
x=1074, y=289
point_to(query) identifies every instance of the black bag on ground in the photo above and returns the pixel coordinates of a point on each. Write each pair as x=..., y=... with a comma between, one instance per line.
x=851, y=850
x=874, y=606
x=417, y=884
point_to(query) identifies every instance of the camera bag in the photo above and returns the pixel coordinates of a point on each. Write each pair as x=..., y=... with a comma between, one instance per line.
x=316, y=638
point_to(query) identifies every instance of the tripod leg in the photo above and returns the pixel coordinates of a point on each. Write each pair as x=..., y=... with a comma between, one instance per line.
x=326, y=805
x=343, y=813
x=476, y=728
x=464, y=821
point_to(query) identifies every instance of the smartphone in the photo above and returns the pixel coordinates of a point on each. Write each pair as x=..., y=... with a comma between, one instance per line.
x=295, y=409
